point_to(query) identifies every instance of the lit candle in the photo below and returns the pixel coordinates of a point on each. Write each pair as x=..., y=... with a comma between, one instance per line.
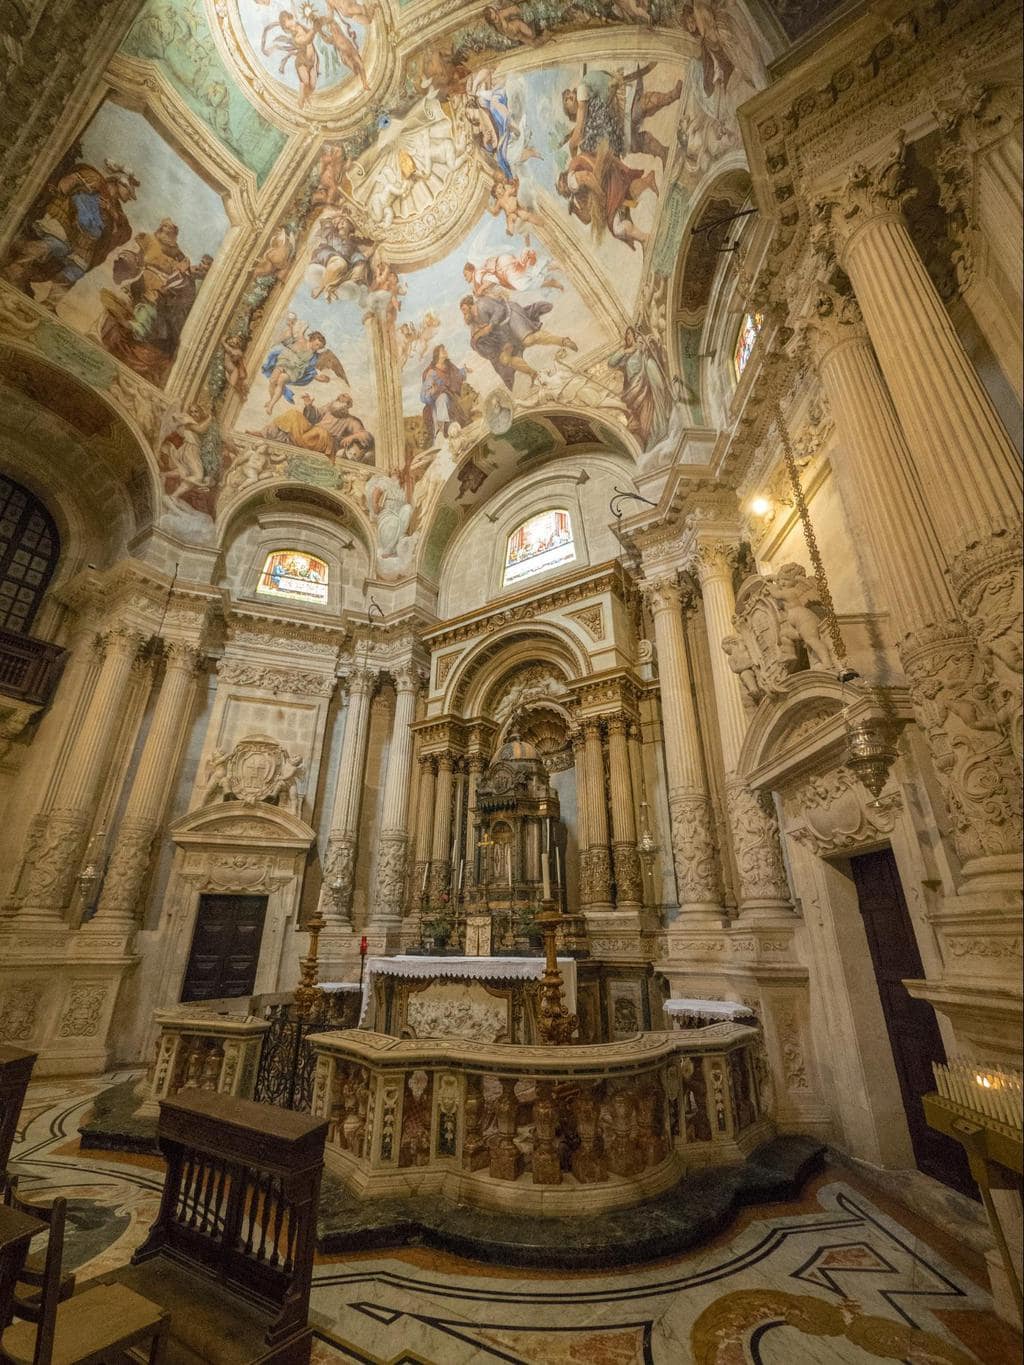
x=423, y=888
x=462, y=872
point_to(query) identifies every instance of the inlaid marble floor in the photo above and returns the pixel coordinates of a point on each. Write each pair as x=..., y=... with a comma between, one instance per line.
x=842, y=1276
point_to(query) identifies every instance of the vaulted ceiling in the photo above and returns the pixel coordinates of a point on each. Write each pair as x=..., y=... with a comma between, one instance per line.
x=352, y=243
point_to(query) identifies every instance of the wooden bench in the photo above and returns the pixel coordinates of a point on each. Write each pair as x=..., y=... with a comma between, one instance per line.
x=230, y=1254
x=15, y=1073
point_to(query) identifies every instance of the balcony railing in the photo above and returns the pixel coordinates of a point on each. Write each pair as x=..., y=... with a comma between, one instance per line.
x=29, y=668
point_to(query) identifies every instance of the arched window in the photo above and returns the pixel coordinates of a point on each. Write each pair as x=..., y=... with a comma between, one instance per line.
x=543, y=542
x=295, y=574
x=747, y=335
x=29, y=550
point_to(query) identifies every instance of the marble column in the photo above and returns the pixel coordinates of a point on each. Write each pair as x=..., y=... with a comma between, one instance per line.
x=130, y=861
x=964, y=462
x=596, y=862
x=339, y=862
x=441, y=848
x=763, y=887
x=58, y=836
x=424, y=833
x=693, y=842
x=629, y=888
x=952, y=697
x=1000, y=205
x=392, y=848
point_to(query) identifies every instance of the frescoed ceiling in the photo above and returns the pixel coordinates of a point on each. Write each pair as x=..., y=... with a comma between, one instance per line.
x=355, y=243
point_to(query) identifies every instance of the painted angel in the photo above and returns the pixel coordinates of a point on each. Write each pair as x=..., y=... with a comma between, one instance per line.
x=298, y=359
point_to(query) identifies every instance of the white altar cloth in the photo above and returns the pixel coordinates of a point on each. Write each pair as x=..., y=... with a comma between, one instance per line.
x=704, y=1009
x=415, y=967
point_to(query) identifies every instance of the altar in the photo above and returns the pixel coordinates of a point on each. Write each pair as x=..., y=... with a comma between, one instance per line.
x=486, y=999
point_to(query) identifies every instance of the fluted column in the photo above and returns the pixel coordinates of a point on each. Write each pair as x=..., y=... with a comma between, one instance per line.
x=596, y=862
x=441, y=849
x=963, y=459
x=763, y=889
x=952, y=697
x=130, y=861
x=693, y=843
x=629, y=890
x=1000, y=205
x=392, y=848
x=474, y=767
x=582, y=809
x=339, y=861
x=58, y=836
x=424, y=830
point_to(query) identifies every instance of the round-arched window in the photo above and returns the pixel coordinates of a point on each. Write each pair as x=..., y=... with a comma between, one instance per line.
x=29, y=550
x=543, y=542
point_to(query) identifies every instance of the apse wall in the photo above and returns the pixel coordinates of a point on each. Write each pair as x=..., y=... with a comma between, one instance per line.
x=473, y=568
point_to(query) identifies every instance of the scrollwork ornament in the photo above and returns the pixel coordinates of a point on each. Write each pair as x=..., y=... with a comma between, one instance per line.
x=693, y=848
x=969, y=749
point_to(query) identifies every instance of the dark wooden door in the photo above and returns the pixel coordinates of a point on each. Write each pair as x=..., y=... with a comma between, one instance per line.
x=913, y=1029
x=225, y=947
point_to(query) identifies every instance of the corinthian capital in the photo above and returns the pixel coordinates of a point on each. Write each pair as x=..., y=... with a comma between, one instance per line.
x=361, y=681
x=715, y=558
x=407, y=677
x=662, y=594
x=833, y=318
x=875, y=191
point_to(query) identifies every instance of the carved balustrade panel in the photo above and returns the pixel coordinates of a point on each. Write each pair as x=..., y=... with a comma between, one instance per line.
x=610, y=1124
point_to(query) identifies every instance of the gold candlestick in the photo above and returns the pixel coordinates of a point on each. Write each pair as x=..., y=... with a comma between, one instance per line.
x=307, y=991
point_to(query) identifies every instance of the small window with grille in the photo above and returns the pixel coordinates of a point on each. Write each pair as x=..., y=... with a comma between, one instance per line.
x=29, y=550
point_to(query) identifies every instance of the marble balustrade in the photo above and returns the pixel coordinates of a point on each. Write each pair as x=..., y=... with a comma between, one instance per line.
x=539, y=1129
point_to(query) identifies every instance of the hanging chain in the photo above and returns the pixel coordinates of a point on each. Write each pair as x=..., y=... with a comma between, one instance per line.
x=831, y=622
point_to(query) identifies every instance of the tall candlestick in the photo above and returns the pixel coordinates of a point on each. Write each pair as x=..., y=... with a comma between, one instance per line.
x=545, y=869
x=558, y=867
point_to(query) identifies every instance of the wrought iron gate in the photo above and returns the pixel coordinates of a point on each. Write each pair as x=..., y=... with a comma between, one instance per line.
x=287, y=1062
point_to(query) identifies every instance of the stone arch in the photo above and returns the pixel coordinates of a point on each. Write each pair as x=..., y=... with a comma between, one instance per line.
x=491, y=659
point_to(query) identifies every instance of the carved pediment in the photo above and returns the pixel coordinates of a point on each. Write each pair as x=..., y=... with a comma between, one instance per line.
x=230, y=824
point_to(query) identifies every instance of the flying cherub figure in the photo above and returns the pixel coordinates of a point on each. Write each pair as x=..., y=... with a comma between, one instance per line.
x=340, y=35
x=352, y=9
x=505, y=198
x=234, y=364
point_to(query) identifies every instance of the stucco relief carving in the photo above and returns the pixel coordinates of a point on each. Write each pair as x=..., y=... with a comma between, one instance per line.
x=971, y=753
x=591, y=619
x=444, y=666
x=266, y=679
x=755, y=834
x=128, y=866
x=595, y=876
x=480, y=1020
x=833, y=813
x=629, y=883
x=55, y=846
x=256, y=769
x=778, y=625
x=18, y=1009
x=339, y=865
x=83, y=1011
x=693, y=848
x=390, y=879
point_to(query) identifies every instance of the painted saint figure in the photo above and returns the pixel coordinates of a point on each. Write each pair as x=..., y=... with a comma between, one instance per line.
x=440, y=395
x=331, y=429
x=500, y=330
x=296, y=360
x=80, y=221
x=645, y=387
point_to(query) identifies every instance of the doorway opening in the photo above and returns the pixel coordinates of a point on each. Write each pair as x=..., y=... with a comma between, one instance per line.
x=911, y=1024
x=225, y=948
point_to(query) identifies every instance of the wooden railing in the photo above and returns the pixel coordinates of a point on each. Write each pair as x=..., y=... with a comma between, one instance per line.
x=29, y=668
x=237, y=1221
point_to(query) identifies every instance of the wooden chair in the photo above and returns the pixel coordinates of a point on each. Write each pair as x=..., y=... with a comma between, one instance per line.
x=83, y=1330
x=28, y=1291
x=15, y=1073
x=16, y=1232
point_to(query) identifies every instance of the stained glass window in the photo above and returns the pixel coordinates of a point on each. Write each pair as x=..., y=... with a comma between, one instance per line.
x=293, y=573
x=543, y=542
x=749, y=328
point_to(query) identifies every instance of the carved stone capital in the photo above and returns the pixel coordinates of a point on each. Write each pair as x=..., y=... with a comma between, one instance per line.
x=693, y=848
x=182, y=656
x=124, y=640
x=662, y=594
x=833, y=320
x=967, y=739
x=870, y=193
x=339, y=865
x=127, y=868
x=715, y=559
x=629, y=881
x=408, y=677
x=361, y=681
x=390, y=878
x=754, y=828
